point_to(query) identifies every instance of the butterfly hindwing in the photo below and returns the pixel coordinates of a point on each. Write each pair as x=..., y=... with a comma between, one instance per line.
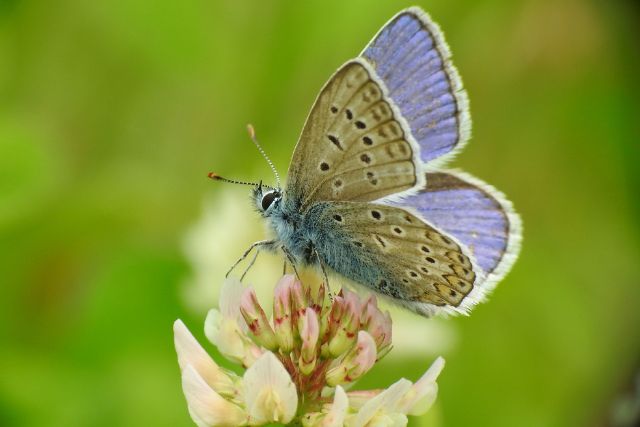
x=354, y=145
x=476, y=214
x=413, y=60
x=396, y=253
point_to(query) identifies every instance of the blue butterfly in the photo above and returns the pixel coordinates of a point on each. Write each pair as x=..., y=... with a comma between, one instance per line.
x=366, y=196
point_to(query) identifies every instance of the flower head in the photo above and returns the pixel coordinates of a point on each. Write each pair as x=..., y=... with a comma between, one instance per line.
x=297, y=363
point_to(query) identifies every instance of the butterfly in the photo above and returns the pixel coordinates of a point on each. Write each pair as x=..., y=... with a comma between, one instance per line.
x=367, y=197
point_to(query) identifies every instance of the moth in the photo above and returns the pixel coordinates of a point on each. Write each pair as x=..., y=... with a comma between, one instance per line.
x=367, y=196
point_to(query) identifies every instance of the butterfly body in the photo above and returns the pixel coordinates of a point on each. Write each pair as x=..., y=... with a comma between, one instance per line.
x=364, y=196
x=313, y=239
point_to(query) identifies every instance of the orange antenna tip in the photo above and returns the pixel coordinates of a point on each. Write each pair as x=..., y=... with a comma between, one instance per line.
x=213, y=175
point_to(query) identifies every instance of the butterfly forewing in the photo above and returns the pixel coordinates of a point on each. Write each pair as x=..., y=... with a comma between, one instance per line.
x=413, y=262
x=354, y=145
x=412, y=58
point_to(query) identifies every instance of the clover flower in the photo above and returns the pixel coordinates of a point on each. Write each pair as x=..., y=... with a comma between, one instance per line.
x=298, y=364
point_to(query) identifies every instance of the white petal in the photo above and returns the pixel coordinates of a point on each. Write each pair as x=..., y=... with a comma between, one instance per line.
x=384, y=403
x=190, y=352
x=230, y=296
x=358, y=398
x=423, y=393
x=231, y=340
x=270, y=395
x=224, y=333
x=208, y=408
x=335, y=416
x=383, y=419
x=397, y=420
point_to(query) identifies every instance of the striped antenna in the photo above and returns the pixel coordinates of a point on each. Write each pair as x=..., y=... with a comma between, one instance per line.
x=214, y=176
x=252, y=135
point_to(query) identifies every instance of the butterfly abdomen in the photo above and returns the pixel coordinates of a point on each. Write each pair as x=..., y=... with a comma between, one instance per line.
x=341, y=251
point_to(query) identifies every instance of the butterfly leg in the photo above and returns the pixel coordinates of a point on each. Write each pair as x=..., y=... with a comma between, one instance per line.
x=248, y=251
x=324, y=273
x=291, y=261
x=253, y=261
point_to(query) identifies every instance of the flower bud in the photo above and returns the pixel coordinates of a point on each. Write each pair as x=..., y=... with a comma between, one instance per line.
x=347, y=326
x=283, y=313
x=330, y=324
x=378, y=324
x=299, y=299
x=358, y=360
x=309, y=349
x=309, y=329
x=257, y=320
x=318, y=301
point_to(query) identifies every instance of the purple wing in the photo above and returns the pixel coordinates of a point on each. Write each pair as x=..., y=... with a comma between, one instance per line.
x=475, y=214
x=412, y=59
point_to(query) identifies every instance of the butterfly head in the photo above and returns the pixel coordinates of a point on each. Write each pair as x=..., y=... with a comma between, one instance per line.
x=266, y=199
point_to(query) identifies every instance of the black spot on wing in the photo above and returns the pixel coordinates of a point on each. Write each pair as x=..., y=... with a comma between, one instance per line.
x=334, y=139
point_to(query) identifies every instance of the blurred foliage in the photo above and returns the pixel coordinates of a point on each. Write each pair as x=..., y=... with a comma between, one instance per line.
x=111, y=113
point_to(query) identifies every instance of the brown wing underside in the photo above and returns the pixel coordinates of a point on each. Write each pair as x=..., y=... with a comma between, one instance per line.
x=352, y=147
x=417, y=263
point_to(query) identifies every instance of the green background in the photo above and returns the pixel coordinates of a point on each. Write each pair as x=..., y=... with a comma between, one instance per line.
x=111, y=113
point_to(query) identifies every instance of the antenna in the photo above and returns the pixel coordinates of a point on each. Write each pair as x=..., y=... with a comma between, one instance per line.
x=214, y=176
x=252, y=135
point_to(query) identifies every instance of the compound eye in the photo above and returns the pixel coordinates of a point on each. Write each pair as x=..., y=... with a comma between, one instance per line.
x=268, y=199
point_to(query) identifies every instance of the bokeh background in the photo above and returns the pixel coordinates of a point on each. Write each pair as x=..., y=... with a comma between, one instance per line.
x=112, y=113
